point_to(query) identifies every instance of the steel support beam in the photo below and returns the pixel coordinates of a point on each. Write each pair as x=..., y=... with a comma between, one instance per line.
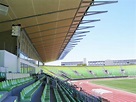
x=95, y=12
x=97, y=3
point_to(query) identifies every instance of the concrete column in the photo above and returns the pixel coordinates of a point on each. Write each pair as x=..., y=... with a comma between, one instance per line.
x=38, y=63
x=18, y=65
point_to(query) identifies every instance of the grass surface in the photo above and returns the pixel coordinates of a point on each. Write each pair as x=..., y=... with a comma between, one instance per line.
x=122, y=84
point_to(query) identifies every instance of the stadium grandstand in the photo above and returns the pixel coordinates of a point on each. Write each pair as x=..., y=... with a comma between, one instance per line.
x=33, y=32
x=112, y=62
x=101, y=63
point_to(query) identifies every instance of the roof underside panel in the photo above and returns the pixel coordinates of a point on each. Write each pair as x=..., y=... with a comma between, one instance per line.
x=49, y=24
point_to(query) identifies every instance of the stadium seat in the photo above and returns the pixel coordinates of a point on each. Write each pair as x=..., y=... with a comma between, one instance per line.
x=63, y=94
x=46, y=94
x=69, y=93
x=8, y=85
x=11, y=99
x=57, y=95
x=26, y=93
x=3, y=95
x=2, y=74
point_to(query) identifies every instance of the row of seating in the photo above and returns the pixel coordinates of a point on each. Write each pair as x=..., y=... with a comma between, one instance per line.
x=76, y=96
x=46, y=94
x=2, y=74
x=8, y=85
x=42, y=78
x=68, y=93
x=26, y=93
x=57, y=95
x=3, y=95
x=62, y=93
x=11, y=99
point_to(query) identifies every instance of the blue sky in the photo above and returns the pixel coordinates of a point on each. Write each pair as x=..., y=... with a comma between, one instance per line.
x=114, y=37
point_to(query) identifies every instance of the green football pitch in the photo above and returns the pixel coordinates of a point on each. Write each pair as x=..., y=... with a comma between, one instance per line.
x=128, y=85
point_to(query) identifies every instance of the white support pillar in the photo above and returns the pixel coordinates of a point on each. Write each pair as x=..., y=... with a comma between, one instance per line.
x=18, y=65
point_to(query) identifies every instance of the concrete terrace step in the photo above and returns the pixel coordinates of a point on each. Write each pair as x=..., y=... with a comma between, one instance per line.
x=11, y=99
x=3, y=95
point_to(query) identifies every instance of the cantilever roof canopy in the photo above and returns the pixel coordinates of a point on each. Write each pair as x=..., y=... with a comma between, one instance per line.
x=49, y=24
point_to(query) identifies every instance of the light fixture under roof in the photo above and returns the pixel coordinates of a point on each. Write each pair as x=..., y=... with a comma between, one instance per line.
x=3, y=9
